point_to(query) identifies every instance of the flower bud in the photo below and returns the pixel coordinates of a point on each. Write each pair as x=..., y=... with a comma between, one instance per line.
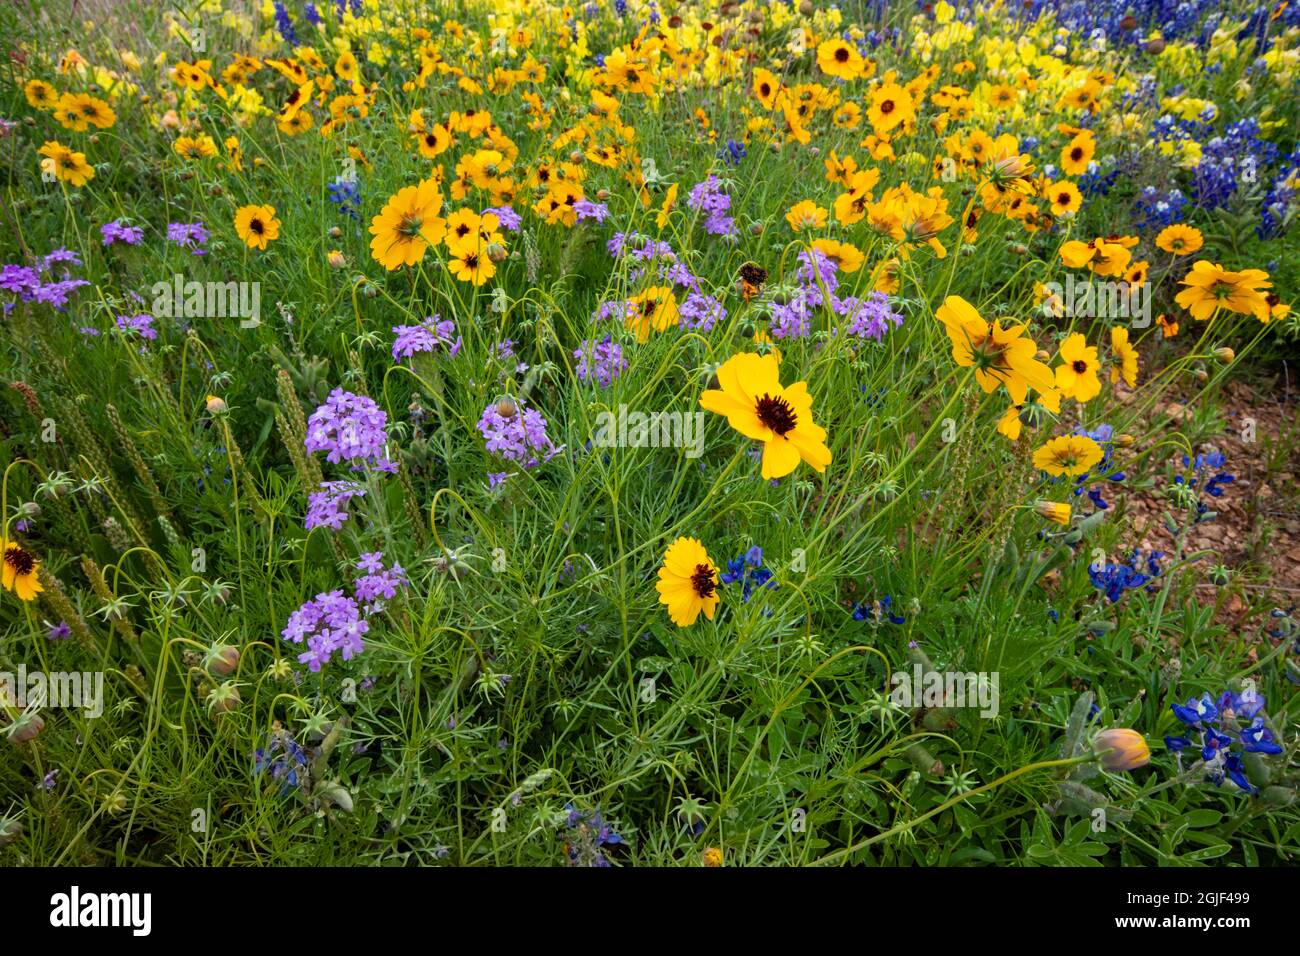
x=1121, y=749
x=506, y=408
x=1225, y=354
x=223, y=699
x=1219, y=575
x=10, y=830
x=336, y=232
x=602, y=194
x=1053, y=511
x=575, y=156
x=216, y=404
x=336, y=259
x=497, y=252
x=711, y=857
x=221, y=660
x=806, y=8
x=756, y=229
x=26, y=727
x=1125, y=440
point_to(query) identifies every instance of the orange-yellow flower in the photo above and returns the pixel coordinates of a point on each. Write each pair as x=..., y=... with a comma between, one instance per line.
x=257, y=225
x=758, y=406
x=688, y=582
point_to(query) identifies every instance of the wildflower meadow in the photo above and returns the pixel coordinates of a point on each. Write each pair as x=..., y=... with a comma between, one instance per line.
x=649, y=433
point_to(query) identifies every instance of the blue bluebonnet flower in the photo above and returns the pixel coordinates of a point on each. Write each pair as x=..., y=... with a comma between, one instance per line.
x=1114, y=579
x=346, y=194
x=748, y=571
x=875, y=611
x=284, y=24
x=591, y=836
x=1104, y=436
x=1218, y=721
x=284, y=757
x=732, y=153
x=1210, y=464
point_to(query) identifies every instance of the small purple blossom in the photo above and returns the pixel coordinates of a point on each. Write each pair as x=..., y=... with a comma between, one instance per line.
x=591, y=210
x=328, y=507
x=508, y=218
x=119, y=231
x=141, y=325
x=432, y=335
x=520, y=437
x=600, y=360
x=189, y=235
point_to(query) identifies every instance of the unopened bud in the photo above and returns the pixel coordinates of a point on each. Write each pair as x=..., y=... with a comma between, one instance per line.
x=221, y=660
x=336, y=259
x=1225, y=354
x=216, y=404
x=497, y=252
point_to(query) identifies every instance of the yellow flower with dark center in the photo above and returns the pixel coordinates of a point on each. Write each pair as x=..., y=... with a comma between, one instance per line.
x=1071, y=455
x=688, y=582
x=41, y=95
x=1126, y=358
x=758, y=406
x=1180, y=240
x=851, y=206
x=999, y=356
x=1077, y=154
x=19, y=570
x=67, y=165
x=407, y=225
x=1064, y=197
x=78, y=111
x=766, y=87
x=257, y=226
x=195, y=147
x=655, y=308
x=1210, y=288
x=890, y=106
x=838, y=59
x=1077, y=377
x=470, y=262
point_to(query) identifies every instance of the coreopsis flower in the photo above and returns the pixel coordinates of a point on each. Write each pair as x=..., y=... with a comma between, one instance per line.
x=847, y=257
x=1106, y=257
x=766, y=87
x=1064, y=197
x=839, y=59
x=407, y=225
x=851, y=206
x=1077, y=377
x=66, y=164
x=41, y=95
x=1210, y=287
x=1077, y=154
x=670, y=200
x=758, y=406
x=806, y=215
x=78, y=111
x=1068, y=455
x=999, y=356
x=1126, y=358
x=1168, y=325
x=195, y=147
x=655, y=308
x=890, y=105
x=469, y=262
x=1180, y=240
x=688, y=582
x=19, y=570
x=257, y=226
x=1121, y=749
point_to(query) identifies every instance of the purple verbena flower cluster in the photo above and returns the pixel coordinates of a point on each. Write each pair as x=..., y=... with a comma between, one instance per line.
x=600, y=360
x=519, y=437
x=329, y=622
x=189, y=235
x=350, y=428
x=430, y=336
x=119, y=231
x=708, y=198
x=328, y=507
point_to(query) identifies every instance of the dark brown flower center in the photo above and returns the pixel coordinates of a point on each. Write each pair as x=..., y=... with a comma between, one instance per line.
x=409, y=226
x=842, y=55
x=776, y=414
x=19, y=560
x=703, y=581
x=1079, y=366
x=257, y=226
x=887, y=107
x=1076, y=154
